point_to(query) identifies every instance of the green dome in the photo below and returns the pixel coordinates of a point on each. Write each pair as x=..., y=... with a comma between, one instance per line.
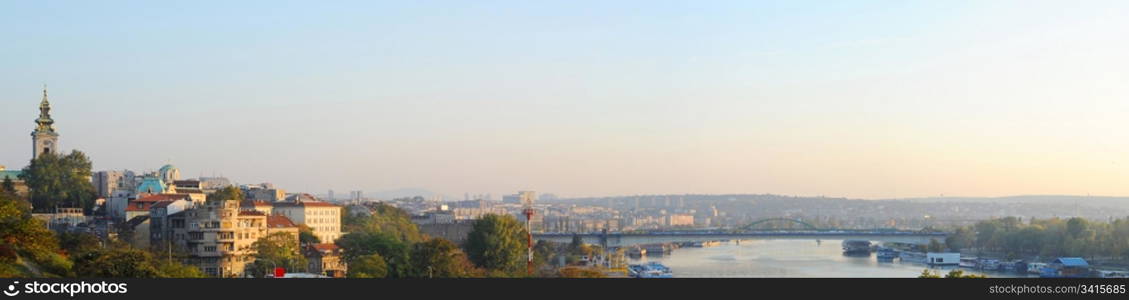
x=151, y=184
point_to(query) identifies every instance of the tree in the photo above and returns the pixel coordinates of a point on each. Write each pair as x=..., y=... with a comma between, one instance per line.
x=928, y=274
x=544, y=252
x=1077, y=227
x=497, y=243
x=226, y=193
x=279, y=249
x=960, y=274
x=394, y=252
x=368, y=266
x=935, y=246
x=8, y=186
x=116, y=262
x=385, y=219
x=962, y=238
x=56, y=181
x=78, y=243
x=306, y=235
x=172, y=269
x=440, y=258
x=25, y=239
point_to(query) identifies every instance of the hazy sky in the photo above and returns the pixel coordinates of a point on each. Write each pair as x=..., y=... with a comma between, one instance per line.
x=581, y=98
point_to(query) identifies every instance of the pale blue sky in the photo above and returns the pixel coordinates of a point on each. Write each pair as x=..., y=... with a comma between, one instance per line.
x=838, y=98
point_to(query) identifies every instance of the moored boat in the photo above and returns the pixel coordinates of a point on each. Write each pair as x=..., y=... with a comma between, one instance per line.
x=650, y=270
x=912, y=257
x=1035, y=268
x=886, y=254
x=989, y=264
x=968, y=262
x=856, y=247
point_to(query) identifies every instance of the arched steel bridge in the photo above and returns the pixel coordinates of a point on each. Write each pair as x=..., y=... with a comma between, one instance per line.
x=754, y=224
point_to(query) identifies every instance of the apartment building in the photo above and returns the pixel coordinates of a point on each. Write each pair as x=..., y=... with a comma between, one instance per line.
x=322, y=217
x=218, y=236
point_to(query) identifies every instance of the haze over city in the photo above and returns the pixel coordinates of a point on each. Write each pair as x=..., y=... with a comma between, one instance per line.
x=881, y=99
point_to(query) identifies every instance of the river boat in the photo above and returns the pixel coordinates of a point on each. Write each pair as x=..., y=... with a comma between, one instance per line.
x=856, y=247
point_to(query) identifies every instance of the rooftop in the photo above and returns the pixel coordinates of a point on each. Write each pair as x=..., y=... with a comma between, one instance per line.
x=324, y=247
x=304, y=204
x=279, y=222
x=1072, y=262
x=13, y=174
x=165, y=203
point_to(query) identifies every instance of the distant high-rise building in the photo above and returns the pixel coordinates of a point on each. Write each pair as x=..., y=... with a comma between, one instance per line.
x=105, y=182
x=520, y=198
x=329, y=196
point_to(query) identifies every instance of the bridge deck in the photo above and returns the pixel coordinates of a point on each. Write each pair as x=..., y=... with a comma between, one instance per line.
x=613, y=239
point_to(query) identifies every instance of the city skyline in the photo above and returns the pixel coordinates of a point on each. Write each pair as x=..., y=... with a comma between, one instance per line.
x=861, y=100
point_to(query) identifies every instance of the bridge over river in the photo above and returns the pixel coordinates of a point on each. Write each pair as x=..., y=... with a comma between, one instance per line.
x=613, y=239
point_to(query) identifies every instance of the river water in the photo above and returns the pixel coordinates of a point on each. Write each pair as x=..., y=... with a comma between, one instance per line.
x=785, y=258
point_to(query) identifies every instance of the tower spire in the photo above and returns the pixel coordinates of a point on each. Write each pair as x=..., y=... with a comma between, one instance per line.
x=44, y=122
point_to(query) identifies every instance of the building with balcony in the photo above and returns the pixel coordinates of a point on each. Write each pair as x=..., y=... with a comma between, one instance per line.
x=218, y=236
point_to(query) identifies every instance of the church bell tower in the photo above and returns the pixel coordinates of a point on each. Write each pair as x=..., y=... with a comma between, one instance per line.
x=44, y=139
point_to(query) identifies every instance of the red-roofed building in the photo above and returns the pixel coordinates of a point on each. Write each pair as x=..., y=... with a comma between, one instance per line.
x=282, y=224
x=141, y=206
x=325, y=259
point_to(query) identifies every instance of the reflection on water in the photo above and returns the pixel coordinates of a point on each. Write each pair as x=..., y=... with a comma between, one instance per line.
x=784, y=258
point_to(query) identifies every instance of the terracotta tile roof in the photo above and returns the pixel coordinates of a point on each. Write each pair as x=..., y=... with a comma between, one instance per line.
x=324, y=247
x=139, y=206
x=279, y=222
